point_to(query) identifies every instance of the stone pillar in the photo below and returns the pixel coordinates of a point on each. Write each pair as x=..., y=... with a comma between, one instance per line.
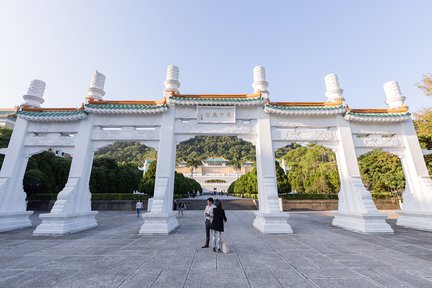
x=162, y=219
x=13, y=205
x=13, y=214
x=333, y=90
x=171, y=82
x=357, y=211
x=416, y=210
x=269, y=218
x=95, y=90
x=72, y=210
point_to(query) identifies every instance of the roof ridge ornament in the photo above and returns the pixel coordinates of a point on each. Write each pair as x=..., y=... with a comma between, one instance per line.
x=34, y=96
x=171, y=82
x=333, y=90
x=260, y=83
x=394, y=95
x=96, y=87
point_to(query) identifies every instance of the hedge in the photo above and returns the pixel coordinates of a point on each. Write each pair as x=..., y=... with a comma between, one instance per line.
x=306, y=196
x=95, y=196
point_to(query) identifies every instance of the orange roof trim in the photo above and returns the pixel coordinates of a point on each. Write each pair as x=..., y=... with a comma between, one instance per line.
x=396, y=110
x=217, y=96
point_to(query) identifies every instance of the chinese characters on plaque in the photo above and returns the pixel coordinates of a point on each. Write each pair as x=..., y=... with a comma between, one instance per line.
x=216, y=114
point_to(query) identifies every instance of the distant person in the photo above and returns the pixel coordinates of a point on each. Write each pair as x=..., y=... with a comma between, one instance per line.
x=139, y=206
x=208, y=214
x=218, y=226
x=175, y=205
x=182, y=207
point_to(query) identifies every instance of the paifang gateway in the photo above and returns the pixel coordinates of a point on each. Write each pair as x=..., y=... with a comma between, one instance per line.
x=177, y=117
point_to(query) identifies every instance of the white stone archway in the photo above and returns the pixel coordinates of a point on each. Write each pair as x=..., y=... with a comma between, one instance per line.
x=178, y=117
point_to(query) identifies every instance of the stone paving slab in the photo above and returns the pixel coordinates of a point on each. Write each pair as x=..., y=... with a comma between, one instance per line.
x=316, y=255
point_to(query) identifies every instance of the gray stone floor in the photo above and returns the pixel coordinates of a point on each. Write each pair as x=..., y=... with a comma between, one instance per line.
x=317, y=255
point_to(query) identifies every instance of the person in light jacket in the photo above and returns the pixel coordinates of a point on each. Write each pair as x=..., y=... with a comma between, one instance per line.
x=217, y=226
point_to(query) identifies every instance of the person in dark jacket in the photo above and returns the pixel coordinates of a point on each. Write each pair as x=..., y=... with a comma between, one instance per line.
x=217, y=226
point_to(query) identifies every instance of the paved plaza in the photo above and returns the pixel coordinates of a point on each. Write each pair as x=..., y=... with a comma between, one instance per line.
x=317, y=255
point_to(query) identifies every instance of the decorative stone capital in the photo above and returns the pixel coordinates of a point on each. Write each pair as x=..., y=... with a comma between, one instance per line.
x=34, y=96
x=260, y=84
x=171, y=82
x=96, y=87
x=333, y=90
x=393, y=94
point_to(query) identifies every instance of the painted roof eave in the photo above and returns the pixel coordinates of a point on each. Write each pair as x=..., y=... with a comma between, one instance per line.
x=305, y=110
x=378, y=117
x=52, y=116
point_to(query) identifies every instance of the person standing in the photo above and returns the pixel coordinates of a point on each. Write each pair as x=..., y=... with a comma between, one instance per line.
x=139, y=207
x=218, y=226
x=208, y=214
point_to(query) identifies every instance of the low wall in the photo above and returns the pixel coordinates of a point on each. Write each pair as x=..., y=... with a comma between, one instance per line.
x=98, y=205
x=322, y=205
x=288, y=205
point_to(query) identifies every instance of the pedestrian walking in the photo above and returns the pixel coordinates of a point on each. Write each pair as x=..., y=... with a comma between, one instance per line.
x=208, y=214
x=139, y=206
x=217, y=226
x=182, y=207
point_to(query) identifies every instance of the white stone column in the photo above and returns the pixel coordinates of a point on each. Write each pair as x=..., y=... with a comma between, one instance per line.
x=13, y=205
x=13, y=214
x=416, y=210
x=162, y=219
x=269, y=218
x=357, y=211
x=72, y=210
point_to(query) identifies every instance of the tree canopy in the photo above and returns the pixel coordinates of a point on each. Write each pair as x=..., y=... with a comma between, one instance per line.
x=426, y=84
x=382, y=172
x=228, y=147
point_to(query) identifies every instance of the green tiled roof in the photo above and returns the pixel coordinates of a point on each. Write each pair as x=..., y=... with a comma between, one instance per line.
x=125, y=106
x=7, y=112
x=304, y=108
x=51, y=113
x=379, y=115
x=217, y=159
x=216, y=99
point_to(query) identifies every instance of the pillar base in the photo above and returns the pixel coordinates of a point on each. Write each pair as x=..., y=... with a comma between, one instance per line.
x=159, y=223
x=415, y=220
x=272, y=222
x=62, y=224
x=15, y=220
x=366, y=223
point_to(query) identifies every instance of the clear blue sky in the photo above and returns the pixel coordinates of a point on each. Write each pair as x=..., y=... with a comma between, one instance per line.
x=216, y=44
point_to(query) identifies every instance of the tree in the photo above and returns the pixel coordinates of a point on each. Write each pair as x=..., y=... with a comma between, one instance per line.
x=283, y=185
x=193, y=161
x=36, y=182
x=313, y=170
x=147, y=183
x=237, y=164
x=426, y=84
x=423, y=125
x=382, y=172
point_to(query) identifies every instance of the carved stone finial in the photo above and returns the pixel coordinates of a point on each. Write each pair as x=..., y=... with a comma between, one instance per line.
x=96, y=87
x=260, y=84
x=171, y=82
x=393, y=95
x=333, y=90
x=34, y=96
